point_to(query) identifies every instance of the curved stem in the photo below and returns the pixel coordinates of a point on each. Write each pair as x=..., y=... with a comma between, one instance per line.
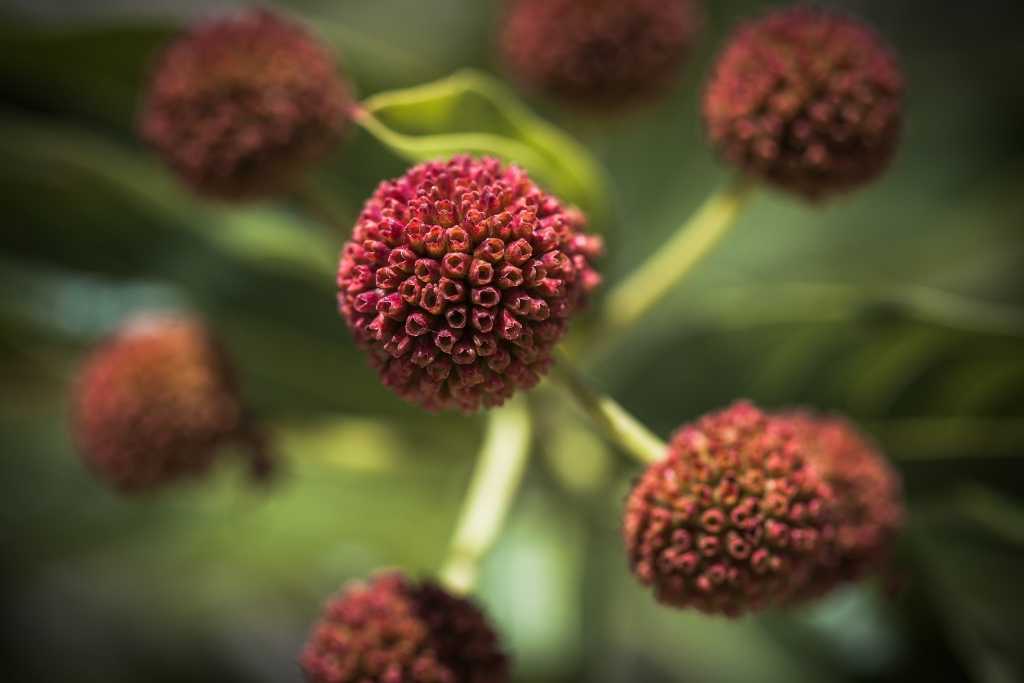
x=499, y=471
x=633, y=297
x=425, y=148
x=621, y=428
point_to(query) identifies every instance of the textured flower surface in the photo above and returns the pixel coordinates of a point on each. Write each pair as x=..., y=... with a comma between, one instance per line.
x=459, y=279
x=392, y=630
x=241, y=106
x=807, y=100
x=154, y=403
x=868, y=494
x=733, y=519
x=604, y=53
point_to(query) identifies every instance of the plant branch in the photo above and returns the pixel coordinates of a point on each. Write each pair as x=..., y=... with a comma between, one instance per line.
x=632, y=298
x=621, y=428
x=425, y=148
x=499, y=471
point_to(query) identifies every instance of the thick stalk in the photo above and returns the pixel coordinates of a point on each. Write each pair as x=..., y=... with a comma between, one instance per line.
x=499, y=471
x=621, y=429
x=637, y=294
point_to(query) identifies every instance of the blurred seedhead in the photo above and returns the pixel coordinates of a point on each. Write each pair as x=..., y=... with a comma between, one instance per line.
x=750, y=510
x=156, y=403
x=868, y=495
x=806, y=100
x=395, y=629
x=733, y=519
x=240, y=107
x=599, y=54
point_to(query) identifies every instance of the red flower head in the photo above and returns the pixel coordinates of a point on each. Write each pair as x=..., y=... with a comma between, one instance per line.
x=868, y=492
x=459, y=279
x=392, y=630
x=155, y=403
x=240, y=107
x=733, y=519
x=807, y=100
x=604, y=53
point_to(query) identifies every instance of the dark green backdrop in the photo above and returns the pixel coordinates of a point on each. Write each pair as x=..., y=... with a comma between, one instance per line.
x=897, y=305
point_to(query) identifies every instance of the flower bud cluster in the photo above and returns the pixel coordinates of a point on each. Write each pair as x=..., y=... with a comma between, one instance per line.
x=240, y=107
x=807, y=100
x=604, y=53
x=155, y=403
x=460, y=277
x=392, y=630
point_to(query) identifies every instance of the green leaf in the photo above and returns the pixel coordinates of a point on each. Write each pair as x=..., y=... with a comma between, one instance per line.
x=472, y=113
x=260, y=235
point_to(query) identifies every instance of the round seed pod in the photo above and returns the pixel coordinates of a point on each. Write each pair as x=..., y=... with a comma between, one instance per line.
x=155, y=403
x=806, y=100
x=733, y=519
x=240, y=107
x=393, y=630
x=459, y=279
x=599, y=53
x=869, y=510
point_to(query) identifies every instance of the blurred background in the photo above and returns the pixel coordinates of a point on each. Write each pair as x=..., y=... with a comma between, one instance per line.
x=900, y=306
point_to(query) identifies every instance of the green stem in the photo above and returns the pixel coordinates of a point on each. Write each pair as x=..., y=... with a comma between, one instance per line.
x=499, y=471
x=621, y=428
x=425, y=148
x=637, y=294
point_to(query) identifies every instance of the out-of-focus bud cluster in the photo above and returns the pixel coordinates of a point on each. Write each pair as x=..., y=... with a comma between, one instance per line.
x=460, y=278
x=599, y=53
x=868, y=495
x=733, y=519
x=241, y=106
x=807, y=100
x=395, y=630
x=156, y=402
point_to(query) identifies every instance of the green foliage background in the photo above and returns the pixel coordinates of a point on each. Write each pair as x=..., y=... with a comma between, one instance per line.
x=899, y=305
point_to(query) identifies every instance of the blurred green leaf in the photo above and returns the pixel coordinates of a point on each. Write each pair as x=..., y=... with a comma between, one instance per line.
x=94, y=70
x=472, y=113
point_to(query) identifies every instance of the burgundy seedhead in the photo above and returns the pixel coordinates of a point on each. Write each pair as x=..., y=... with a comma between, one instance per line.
x=460, y=278
x=733, y=519
x=807, y=100
x=155, y=403
x=599, y=53
x=241, y=106
x=869, y=510
x=392, y=630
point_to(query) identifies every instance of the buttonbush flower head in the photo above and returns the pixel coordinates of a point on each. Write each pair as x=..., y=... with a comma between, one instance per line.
x=733, y=519
x=392, y=630
x=603, y=53
x=155, y=403
x=459, y=279
x=807, y=100
x=241, y=106
x=868, y=494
